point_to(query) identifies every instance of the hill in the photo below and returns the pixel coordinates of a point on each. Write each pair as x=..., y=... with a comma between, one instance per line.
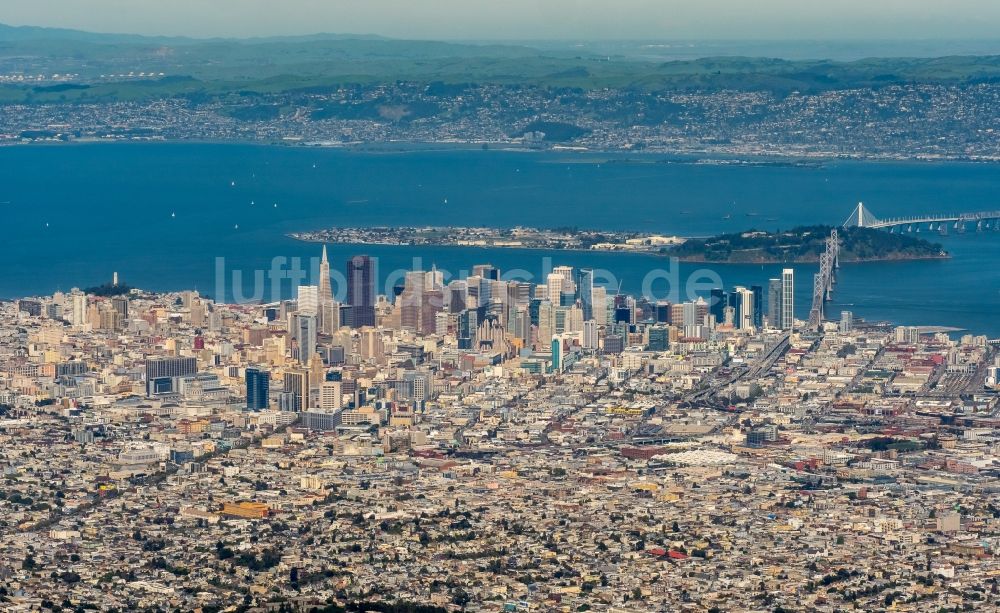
x=804, y=245
x=281, y=64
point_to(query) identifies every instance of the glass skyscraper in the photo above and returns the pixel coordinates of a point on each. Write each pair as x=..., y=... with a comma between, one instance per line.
x=585, y=287
x=361, y=290
x=258, y=384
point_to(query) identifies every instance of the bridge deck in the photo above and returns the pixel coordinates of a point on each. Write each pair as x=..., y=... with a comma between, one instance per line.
x=863, y=218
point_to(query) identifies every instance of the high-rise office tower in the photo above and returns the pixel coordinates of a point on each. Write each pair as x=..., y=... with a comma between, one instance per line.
x=325, y=289
x=574, y=319
x=331, y=396
x=485, y=291
x=846, y=322
x=159, y=368
x=468, y=323
x=442, y=320
x=78, y=308
x=600, y=314
x=734, y=301
x=431, y=303
x=458, y=294
x=329, y=317
x=758, y=306
x=120, y=305
x=554, y=284
x=258, y=383
x=745, y=299
x=689, y=313
x=521, y=327
x=590, y=335
x=162, y=373
x=329, y=310
x=546, y=322
x=556, y=355
x=472, y=292
x=518, y=296
x=361, y=290
x=585, y=291
x=694, y=312
x=662, y=312
x=568, y=287
x=787, y=299
x=297, y=383
x=717, y=304
x=560, y=314
x=624, y=309
x=305, y=334
x=659, y=338
x=486, y=271
x=774, y=303
x=411, y=300
x=307, y=299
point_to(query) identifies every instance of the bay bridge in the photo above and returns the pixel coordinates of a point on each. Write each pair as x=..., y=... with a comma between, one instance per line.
x=862, y=217
x=829, y=262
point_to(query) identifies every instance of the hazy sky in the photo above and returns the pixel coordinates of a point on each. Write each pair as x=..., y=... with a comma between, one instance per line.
x=524, y=19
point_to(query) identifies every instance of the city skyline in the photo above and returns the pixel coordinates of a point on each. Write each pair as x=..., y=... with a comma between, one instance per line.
x=460, y=418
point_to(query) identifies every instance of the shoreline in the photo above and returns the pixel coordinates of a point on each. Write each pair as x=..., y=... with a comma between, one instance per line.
x=685, y=156
x=657, y=254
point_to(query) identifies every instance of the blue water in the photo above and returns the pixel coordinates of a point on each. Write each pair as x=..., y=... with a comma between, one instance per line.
x=162, y=215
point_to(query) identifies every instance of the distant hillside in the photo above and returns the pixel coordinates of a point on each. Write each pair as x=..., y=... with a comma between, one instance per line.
x=280, y=64
x=804, y=245
x=37, y=33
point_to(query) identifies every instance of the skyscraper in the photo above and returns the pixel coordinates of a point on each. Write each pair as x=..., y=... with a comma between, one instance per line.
x=590, y=335
x=305, y=333
x=774, y=303
x=120, y=305
x=468, y=322
x=554, y=283
x=78, y=312
x=431, y=303
x=567, y=286
x=600, y=313
x=258, y=384
x=297, y=384
x=747, y=308
x=458, y=293
x=361, y=290
x=717, y=303
x=734, y=300
x=585, y=289
x=546, y=322
x=556, y=355
x=662, y=312
x=329, y=312
x=411, y=300
x=787, y=299
x=486, y=271
x=307, y=299
x=758, y=306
